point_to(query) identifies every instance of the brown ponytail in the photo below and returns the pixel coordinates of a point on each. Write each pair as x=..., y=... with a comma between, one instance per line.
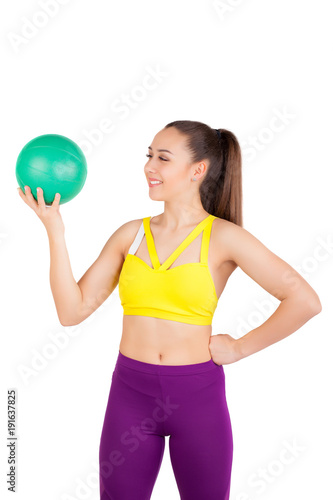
x=221, y=188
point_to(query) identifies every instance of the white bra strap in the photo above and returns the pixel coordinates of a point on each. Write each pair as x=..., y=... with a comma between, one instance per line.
x=137, y=241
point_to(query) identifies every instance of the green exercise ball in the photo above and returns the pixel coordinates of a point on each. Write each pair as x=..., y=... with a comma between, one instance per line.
x=54, y=163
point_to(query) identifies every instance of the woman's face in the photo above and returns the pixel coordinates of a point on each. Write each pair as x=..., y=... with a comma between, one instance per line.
x=172, y=167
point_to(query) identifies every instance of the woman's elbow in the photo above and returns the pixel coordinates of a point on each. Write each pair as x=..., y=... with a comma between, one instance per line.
x=314, y=304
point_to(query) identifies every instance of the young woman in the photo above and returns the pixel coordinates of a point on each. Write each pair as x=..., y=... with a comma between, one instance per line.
x=168, y=379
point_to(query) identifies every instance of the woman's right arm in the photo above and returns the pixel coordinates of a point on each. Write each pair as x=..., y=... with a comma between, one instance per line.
x=76, y=301
x=66, y=292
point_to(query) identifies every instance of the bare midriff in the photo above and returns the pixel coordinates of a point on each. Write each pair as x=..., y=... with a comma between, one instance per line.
x=165, y=342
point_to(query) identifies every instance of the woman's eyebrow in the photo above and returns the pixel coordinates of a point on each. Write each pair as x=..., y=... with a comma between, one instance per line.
x=161, y=150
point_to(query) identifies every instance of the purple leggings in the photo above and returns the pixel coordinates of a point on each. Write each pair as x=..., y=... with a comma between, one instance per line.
x=148, y=402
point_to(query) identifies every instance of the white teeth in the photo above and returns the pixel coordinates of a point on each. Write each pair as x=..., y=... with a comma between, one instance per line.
x=155, y=182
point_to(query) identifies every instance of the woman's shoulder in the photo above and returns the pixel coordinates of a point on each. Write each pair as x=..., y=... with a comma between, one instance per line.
x=234, y=242
x=223, y=233
x=127, y=228
x=128, y=231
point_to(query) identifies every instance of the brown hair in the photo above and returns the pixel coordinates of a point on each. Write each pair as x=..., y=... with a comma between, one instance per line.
x=221, y=188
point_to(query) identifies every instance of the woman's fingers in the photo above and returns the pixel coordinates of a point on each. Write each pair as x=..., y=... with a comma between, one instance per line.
x=28, y=198
x=35, y=204
x=22, y=195
x=50, y=216
x=40, y=198
x=55, y=202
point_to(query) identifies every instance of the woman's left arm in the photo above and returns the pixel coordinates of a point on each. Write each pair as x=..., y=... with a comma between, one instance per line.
x=299, y=302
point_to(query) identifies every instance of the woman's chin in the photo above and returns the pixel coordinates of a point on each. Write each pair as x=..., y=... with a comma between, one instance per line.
x=156, y=198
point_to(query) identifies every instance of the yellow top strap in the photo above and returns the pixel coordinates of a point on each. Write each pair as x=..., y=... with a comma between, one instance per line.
x=150, y=243
x=206, y=223
x=205, y=241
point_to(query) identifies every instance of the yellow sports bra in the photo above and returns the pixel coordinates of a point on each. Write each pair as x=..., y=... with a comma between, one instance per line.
x=184, y=293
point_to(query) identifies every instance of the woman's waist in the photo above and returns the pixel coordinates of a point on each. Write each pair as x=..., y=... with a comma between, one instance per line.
x=163, y=341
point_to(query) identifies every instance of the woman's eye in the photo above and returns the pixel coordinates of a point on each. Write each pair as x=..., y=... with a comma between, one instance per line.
x=164, y=159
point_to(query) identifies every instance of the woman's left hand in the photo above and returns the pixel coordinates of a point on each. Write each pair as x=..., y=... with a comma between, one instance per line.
x=223, y=349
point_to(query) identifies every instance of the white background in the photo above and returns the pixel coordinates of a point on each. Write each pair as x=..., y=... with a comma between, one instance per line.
x=68, y=66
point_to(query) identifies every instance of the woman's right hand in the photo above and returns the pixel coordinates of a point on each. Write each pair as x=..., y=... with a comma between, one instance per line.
x=50, y=216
